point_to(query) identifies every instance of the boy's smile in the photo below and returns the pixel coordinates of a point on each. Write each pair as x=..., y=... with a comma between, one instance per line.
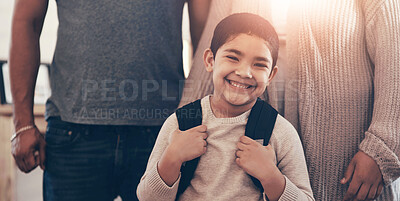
x=241, y=72
x=239, y=84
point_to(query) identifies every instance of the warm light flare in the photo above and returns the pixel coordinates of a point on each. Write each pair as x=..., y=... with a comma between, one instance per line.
x=279, y=9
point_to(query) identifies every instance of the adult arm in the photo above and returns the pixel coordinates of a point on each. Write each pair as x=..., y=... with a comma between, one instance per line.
x=379, y=153
x=198, y=13
x=382, y=140
x=24, y=62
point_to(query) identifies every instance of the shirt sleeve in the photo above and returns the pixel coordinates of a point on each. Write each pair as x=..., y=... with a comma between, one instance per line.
x=291, y=162
x=382, y=140
x=151, y=186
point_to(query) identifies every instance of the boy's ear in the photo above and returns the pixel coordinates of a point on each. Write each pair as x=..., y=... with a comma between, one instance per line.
x=208, y=59
x=272, y=74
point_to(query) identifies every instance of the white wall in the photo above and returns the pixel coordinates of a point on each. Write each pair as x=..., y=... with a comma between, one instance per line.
x=48, y=37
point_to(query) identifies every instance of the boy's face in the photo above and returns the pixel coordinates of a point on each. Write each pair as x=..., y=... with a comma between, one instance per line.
x=241, y=69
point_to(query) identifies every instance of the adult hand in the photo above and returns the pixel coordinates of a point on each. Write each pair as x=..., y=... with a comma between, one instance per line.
x=366, y=178
x=28, y=149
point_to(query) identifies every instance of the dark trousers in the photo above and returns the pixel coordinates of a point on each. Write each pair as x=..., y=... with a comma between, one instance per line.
x=89, y=162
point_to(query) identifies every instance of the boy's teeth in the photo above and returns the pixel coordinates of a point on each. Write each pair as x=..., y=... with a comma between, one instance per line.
x=238, y=85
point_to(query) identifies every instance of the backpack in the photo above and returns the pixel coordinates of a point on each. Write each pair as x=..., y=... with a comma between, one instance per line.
x=259, y=125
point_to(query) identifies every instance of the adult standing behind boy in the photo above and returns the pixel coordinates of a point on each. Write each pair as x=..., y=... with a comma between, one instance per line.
x=114, y=79
x=343, y=95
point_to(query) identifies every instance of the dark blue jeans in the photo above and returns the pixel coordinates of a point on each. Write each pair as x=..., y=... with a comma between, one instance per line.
x=90, y=162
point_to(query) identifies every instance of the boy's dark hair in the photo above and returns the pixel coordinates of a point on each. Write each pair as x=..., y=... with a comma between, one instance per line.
x=246, y=23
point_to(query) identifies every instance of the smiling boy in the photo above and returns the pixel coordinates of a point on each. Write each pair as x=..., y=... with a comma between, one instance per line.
x=242, y=59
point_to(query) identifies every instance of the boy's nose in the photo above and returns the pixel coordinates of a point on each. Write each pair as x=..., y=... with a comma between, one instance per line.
x=244, y=71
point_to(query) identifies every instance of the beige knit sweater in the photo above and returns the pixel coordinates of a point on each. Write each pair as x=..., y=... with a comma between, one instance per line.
x=344, y=90
x=218, y=177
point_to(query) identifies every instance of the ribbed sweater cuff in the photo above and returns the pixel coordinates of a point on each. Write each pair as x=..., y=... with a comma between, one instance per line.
x=291, y=191
x=159, y=187
x=387, y=161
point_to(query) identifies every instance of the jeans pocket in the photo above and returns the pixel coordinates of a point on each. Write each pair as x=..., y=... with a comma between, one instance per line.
x=60, y=137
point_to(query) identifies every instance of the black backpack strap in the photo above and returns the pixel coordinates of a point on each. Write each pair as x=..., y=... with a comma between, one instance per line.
x=260, y=125
x=188, y=116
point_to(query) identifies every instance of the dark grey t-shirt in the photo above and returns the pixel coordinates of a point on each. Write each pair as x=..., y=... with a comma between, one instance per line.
x=117, y=62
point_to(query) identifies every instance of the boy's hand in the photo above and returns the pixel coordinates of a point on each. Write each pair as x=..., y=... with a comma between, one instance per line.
x=255, y=159
x=366, y=178
x=184, y=146
x=259, y=162
x=189, y=144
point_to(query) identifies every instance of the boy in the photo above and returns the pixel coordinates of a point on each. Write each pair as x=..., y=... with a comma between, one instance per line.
x=242, y=58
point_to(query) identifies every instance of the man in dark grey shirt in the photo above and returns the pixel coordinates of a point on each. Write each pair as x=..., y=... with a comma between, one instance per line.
x=115, y=78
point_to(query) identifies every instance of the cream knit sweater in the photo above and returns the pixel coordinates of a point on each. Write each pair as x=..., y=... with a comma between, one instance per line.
x=218, y=177
x=344, y=89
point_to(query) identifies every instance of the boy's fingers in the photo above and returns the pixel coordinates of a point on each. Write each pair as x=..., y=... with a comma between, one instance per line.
x=204, y=150
x=269, y=146
x=205, y=143
x=241, y=146
x=238, y=153
x=204, y=135
x=349, y=173
x=201, y=128
x=238, y=161
x=177, y=131
x=245, y=140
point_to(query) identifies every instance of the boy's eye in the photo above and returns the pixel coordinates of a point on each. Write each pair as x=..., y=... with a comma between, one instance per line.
x=261, y=65
x=232, y=58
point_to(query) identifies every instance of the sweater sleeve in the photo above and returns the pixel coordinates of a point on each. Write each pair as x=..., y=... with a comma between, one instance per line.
x=151, y=186
x=291, y=161
x=382, y=140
